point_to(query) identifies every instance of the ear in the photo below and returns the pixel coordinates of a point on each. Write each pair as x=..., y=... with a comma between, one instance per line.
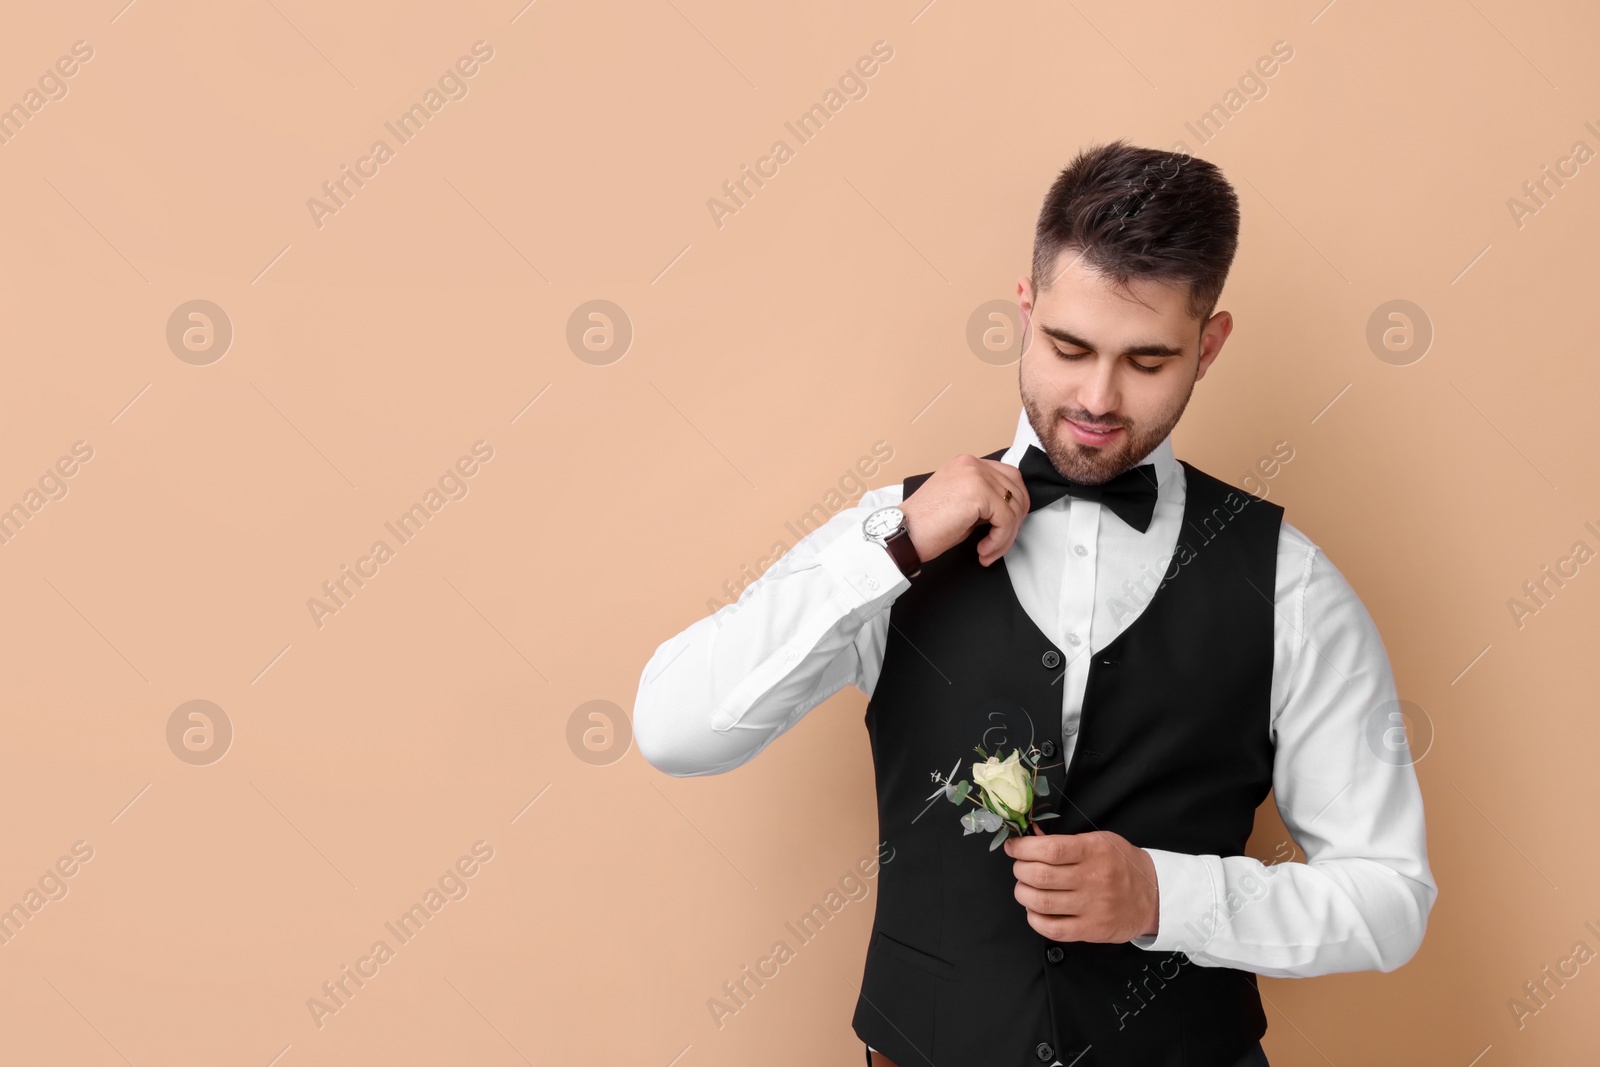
x=1212, y=336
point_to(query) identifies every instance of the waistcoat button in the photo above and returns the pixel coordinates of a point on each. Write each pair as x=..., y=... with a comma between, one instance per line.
x=1044, y=1052
x=1054, y=954
x=1048, y=747
x=1051, y=658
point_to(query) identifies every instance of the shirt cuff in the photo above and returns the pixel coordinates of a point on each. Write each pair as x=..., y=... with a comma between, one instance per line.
x=863, y=570
x=1187, y=888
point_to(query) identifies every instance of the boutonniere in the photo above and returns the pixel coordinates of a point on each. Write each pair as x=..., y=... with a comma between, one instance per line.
x=1007, y=789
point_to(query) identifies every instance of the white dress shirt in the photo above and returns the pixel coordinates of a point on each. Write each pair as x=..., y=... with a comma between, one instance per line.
x=725, y=688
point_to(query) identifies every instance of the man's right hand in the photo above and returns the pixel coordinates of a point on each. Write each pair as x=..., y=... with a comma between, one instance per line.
x=957, y=497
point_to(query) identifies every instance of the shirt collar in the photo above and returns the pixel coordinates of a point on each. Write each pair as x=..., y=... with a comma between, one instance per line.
x=1166, y=463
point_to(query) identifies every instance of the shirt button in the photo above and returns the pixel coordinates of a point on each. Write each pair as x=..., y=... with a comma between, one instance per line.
x=1052, y=658
x=872, y=583
x=1072, y=639
x=1080, y=550
x=1048, y=747
x=1044, y=1052
x=1070, y=729
x=1054, y=954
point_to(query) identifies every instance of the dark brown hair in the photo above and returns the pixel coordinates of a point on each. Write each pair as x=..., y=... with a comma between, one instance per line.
x=1141, y=213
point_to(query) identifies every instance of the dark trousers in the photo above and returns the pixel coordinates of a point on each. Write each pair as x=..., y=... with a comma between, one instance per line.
x=1256, y=1057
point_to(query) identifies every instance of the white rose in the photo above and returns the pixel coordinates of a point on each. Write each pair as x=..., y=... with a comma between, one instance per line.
x=1006, y=781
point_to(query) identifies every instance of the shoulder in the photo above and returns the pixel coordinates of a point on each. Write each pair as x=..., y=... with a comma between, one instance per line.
x=1215, y=489
x=1313, y=591
x=1294, y=545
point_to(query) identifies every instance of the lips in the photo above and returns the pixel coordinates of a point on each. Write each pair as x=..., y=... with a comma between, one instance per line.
x=1089, y=436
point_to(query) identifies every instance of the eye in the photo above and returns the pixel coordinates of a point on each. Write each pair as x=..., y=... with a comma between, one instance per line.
x=1072, y=356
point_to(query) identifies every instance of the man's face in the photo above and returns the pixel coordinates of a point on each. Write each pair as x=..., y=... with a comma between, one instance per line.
x=1098, y=358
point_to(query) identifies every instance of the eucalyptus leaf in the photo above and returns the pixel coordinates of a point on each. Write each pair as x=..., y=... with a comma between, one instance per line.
x=1004, y=832
x=963, y=787
x=1041, y=786
x=980, y=819
x=1046, y=815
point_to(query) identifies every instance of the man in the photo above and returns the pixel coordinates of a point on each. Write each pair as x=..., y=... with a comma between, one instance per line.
x=1165, y=646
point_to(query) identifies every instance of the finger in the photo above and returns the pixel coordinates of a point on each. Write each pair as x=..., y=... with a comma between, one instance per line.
x=1004, y=509
x=1015, y=495
x=1058, y=850
x=1012, y=479
x=1047, y=875
x=1049, y=901
x=1059, y=927
x=1045, y=848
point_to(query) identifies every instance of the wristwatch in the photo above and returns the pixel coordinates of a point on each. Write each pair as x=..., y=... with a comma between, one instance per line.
x=887, y=526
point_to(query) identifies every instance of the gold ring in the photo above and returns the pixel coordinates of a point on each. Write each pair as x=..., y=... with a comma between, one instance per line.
x=1008, y=496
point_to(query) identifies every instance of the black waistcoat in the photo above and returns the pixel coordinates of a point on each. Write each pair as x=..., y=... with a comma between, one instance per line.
x=1173, y=752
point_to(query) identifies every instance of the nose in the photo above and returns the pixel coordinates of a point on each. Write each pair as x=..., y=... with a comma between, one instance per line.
x=1098, y=395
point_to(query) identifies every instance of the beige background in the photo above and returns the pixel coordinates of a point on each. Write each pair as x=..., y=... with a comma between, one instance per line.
x=437, y=707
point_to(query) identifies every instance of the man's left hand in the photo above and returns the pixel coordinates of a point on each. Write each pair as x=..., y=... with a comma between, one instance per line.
x=1093, y=886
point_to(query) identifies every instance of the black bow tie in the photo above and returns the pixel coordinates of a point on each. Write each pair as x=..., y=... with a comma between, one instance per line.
x=1131, y=494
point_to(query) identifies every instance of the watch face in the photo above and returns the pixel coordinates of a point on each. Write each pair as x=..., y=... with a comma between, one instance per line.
x=883, y=522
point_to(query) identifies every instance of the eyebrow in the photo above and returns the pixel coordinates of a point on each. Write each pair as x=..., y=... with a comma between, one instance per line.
x=1132, y=350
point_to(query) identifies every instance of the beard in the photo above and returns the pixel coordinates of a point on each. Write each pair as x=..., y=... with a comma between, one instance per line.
x=1097, y=464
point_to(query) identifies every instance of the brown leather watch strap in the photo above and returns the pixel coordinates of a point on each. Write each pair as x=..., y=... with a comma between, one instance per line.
x=904, y=553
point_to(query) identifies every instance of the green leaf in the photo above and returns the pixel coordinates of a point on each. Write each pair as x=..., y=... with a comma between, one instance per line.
x=1041, y=786
x=1046, y=815
x=999, y=836
x=963, y=788
x=980, y=819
